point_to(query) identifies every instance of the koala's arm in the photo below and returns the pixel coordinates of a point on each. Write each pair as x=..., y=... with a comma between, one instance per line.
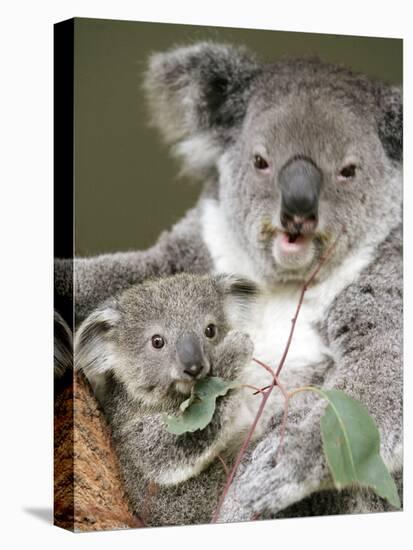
x=97, y=278
x=364, y=331
x=168, y=459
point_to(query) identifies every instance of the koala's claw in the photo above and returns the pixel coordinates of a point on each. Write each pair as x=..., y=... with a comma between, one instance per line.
x=233, y=353
x=240, y=341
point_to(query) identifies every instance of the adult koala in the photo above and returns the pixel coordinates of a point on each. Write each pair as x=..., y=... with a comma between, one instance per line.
x=294, y=154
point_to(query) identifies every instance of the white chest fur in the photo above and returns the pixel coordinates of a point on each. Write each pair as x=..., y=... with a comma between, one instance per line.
x=269, y=322
x=269, y=325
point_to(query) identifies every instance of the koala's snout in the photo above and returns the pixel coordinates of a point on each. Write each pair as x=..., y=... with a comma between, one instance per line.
x=300, y=181
x=191, y=357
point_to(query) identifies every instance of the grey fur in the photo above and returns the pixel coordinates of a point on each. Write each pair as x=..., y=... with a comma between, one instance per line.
x=294, y=108
x=63, y=347
x=363, y=328
x=200, y=93
x=137, y=384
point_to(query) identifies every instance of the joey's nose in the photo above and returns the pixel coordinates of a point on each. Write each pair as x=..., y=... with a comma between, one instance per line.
x=190, y=355
x=194, y=370
x=300, y=181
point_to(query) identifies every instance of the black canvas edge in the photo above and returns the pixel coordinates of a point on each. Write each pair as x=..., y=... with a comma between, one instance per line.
x=63, y=202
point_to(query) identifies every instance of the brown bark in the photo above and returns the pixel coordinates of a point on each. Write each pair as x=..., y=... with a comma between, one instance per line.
x=89, y=494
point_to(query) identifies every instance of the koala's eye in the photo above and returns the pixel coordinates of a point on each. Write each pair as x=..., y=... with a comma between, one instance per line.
x=260, y=163
x=210, y=331
x=157, y=341
x=348, y=172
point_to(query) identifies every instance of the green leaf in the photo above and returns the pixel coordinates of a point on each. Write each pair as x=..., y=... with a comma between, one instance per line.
x=351, y=444
x=198, y=409
x=185, y=404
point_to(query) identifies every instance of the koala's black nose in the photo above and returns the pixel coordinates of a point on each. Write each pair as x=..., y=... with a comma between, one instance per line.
x=193, y=370
x=300, y=181
x=190, y=355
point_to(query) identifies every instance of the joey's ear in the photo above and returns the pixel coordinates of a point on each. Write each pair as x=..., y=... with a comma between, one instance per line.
x=93, y=344
x=239, y=295
x=198, y=96
x=390, y=120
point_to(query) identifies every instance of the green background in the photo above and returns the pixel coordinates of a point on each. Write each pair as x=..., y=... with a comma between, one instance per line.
x=127, y=188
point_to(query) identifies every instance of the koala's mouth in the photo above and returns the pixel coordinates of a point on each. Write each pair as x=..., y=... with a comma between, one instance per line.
x=289, y=235
x=293, y=250
x=294, y=242
x=292, y=238
x=184, y=387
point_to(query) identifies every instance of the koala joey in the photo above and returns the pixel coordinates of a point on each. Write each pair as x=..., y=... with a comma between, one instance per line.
x=144, y=350
x=295, y=155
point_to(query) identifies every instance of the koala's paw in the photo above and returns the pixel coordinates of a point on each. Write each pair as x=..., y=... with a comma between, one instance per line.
x=268, y=482
x=262, y=497
x=260, y=488
x=234, y=352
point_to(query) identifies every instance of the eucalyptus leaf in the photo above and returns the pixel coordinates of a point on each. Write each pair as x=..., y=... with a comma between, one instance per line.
x=185, y=404
x=198, y=409
x=351, y=443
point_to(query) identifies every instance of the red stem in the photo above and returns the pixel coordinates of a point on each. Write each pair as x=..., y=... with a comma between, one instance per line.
x=241, y=452
x=305, y=286
x=266, y=367
x=223, y=464
x=266, y=394
x=284, y=421
x=256, y=390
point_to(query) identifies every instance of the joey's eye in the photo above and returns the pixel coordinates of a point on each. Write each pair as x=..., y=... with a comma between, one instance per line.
x=260, y=163
x=157, y=341
x=210, y=331
x=348, y=172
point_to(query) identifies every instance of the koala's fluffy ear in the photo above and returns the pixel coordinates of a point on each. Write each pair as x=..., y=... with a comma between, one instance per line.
x=390, y=120
x=198, y=96
x=93, y=343
x=239, y=295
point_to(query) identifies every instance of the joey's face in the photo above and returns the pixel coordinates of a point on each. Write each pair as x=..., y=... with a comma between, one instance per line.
x=158, y=338
x=168, y=354
x=166, y=335
x=306, y=170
